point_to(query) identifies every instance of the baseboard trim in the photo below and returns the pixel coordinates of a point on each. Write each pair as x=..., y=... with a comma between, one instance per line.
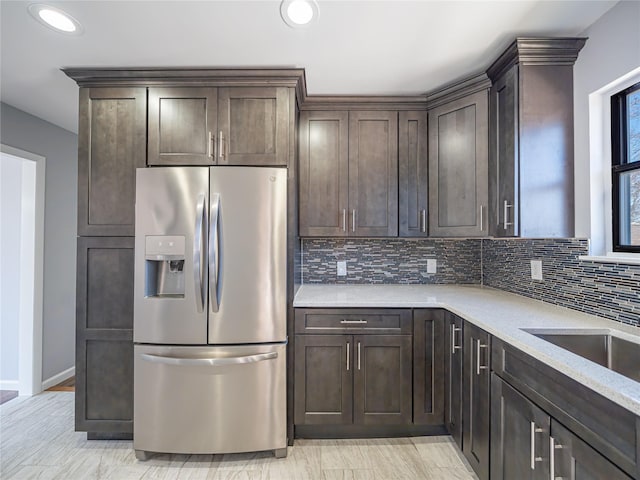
x=60, y=377
x=9, y=384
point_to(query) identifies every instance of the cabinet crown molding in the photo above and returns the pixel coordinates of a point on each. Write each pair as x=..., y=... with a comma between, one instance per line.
x=458, y=90
x=537, y=51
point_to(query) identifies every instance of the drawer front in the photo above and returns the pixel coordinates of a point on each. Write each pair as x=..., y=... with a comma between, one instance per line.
x=607, y=427
x=354, y=320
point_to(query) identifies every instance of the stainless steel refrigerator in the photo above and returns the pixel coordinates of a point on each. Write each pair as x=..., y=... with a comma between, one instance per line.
x=210, y=310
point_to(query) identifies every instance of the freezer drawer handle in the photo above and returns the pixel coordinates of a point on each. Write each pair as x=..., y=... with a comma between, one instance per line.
x=197, y=252
x=211, y=362
x=214, y=253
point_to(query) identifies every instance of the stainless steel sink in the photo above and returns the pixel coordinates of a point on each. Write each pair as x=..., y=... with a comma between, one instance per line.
x=601, y=347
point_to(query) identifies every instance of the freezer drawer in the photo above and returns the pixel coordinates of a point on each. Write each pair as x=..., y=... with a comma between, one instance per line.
x=210, y=399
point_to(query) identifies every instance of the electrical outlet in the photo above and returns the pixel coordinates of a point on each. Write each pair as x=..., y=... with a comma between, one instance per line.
x=536, y=269
x=432, y=265
x=342, y=269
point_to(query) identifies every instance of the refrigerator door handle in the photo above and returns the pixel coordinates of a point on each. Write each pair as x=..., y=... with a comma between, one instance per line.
x=209, y=362
x=197, y=252
x=214, y=252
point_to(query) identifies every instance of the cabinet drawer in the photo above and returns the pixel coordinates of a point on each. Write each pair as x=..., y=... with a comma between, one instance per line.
x=353, y=320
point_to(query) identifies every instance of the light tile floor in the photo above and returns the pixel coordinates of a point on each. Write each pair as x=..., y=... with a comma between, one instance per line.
x=37, y=440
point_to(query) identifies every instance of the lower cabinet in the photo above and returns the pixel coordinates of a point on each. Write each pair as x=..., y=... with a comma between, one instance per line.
x=104, y=337
x=526, y=443
x=476, y=392
x=360, y=379
x=428, y=366
x=453, y=376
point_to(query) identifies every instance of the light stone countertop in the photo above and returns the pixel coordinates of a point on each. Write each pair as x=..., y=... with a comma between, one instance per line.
x=501, y=314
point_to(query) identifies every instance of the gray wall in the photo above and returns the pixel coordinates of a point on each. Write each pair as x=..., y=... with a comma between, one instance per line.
x=32, y=134
x=10, y=213
x=612, y=50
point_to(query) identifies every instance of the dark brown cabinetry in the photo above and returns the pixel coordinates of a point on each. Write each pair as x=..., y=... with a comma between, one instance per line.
x=531, y=139
x=349, y=173
x=413, y=177
x=453, y=361
x=428, y=367
x=476, y=394
x=224, y=126
x=348, y=371
x=111, y=145
x=526, y=443
x=104, y=336
x=458, y=156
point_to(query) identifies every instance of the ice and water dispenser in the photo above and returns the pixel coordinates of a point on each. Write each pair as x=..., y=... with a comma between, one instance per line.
x=164, y=266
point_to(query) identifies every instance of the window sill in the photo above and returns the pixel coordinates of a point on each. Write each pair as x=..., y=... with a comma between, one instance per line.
x=628, y=259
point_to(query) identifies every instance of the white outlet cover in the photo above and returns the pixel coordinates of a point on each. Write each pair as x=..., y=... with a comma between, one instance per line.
x=432, y=265
x=342, y=269
x=536, y=269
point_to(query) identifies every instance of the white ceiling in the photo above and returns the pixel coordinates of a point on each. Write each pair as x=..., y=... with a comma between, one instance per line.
x=356, y=47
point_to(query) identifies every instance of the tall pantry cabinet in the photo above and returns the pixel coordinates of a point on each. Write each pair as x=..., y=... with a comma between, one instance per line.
x=130, y=119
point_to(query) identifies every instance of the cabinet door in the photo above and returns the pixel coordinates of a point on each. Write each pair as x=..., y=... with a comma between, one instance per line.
x=182, y=126
x=104, y=336
x=519, y=435
x=382, y=380
x=453, y=376
x=254, y=126
x=413, y=174
x=504, y=161
x=428, y=367
x=324, y=173
x=573, y=458
x=476, y=399
x=373, y=174
x=458, y=156
x=323, y=379
x=111, y=145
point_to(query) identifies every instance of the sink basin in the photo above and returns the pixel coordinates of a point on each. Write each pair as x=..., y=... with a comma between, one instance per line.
x=601, y=347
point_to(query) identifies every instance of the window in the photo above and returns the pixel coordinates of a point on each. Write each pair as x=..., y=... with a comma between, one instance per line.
x=625, y=169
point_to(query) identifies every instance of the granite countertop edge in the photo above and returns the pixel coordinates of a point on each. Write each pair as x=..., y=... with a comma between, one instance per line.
x=503, y=315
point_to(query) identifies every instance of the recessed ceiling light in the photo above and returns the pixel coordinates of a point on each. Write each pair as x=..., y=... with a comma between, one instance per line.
x=55, y=19
x=299, y=13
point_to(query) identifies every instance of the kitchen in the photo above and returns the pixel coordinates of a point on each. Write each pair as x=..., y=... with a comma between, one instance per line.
x=457, y=261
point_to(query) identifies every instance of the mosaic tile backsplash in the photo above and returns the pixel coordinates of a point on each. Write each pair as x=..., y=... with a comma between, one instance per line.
x=608, y=290
x=391, y=260
x=605, y=289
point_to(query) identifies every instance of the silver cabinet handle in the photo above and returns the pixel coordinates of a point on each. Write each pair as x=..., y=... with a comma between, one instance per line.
x=344, y=219
x=423, y=220
x=353, y=220
x=210, y=145
x=482, y=218
x=353, y=321
x=507, y=206
x=454, y=347
x=220, y=146
x=534, y=459
x=197, y=252
x=552, y=457
x=358, y=355
x=214, y=252
x=348, y=356
x=208, y=362
x=478, y=366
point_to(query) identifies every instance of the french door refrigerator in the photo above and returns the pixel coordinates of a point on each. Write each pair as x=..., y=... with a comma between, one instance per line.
x=210, y=310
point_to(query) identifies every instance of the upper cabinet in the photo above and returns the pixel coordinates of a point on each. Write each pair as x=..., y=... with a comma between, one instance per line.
x=349, y=173
x=111, y=145
x=223, y=126
x=531, y=191
x=182, y=126
x=413, y=178
x=458, y=160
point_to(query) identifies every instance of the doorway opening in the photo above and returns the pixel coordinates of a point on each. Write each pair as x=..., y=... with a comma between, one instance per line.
x=22, y=187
